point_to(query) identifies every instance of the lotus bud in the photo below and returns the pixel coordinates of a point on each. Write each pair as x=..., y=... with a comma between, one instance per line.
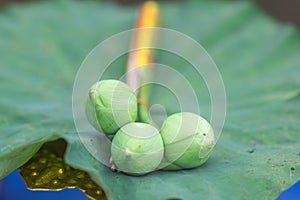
x=110, y=105
x=137, y=149
x=188, y=140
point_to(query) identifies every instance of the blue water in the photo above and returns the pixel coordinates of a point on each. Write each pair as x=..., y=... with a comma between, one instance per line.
x=13, y=188
x=293, y=193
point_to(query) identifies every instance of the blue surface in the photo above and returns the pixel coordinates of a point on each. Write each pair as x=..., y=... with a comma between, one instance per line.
x=293, y=193
x=13, y=188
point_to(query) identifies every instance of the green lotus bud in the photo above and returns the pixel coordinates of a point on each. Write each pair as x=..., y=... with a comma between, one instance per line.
x=137, y=149
x=110, y=105
x=188, y=140
x=167, y=165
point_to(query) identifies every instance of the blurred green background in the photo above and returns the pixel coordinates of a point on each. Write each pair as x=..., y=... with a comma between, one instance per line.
x=283, y=10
